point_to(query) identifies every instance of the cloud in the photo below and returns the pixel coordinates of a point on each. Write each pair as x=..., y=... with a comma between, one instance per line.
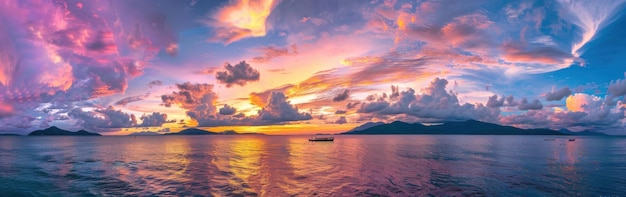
x=314, y=20
x=208, y=71
x=590, y=17
x=198, y=99
x=260, y=99
x=557, y=95
x=341, y=120
x=71, y=53
x=240, y=74
x=240, y=19
x=6, y=110
x=617, y=88
x=581, y=102
x=155, y=119
x=584, y=112
x=227, y=110
x=278, y=109
x=340, y=112
x=466, y=30
x=103, y=118
x=136, y=39
x=370, y=107
x=9, y=57
x=342, y=96
x=271, y=52
x=516, y=11
x=155, y=83
x=493, y=101
x=516, y=52
x=510, y=101
x=525, y=105
x=435, y=103
x=351, y=105
x=130, y=99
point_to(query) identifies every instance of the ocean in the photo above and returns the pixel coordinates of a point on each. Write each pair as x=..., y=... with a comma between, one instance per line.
x=251, y=165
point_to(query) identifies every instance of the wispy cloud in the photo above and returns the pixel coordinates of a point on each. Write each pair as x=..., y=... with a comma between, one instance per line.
x=590, y=17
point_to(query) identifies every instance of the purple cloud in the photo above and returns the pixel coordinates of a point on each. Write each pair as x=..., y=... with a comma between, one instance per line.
x=534, y=105
x=557, y=95
x=103, y=118
x=278, y=109
x=342, y=96
x=155, y=119
x=341, y=120
x=227, y=110
x=240, y=74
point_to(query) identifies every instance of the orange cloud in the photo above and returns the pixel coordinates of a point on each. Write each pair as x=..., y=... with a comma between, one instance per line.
x=271, y=52
x=465, y=28
x=582, y=102
x=260, y=99
x=241, y=19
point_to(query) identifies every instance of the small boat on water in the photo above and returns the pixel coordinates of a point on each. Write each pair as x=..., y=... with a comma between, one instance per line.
x=322, y=138
x=572, y=139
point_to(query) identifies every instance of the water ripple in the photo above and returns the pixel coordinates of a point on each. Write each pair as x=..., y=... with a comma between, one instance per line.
x=292, y=166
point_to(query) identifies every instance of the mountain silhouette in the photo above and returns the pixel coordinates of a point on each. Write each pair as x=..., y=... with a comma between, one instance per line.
x=144, y=133
x=57, y=131
x=193, y=131
x=469, y=127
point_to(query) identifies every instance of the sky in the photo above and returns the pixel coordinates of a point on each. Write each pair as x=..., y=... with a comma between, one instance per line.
x=310, y=66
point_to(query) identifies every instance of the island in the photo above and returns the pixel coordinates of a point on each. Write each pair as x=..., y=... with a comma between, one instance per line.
x=144, y=133
x=468, y=127
x=60, y=132
x=196, y=131
x=193, y=131
x=9, y=134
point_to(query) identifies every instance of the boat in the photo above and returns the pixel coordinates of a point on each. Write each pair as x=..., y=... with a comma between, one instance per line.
x=322, y=138
x=573, y=139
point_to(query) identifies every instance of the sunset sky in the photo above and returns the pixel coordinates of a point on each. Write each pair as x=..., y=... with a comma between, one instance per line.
x=310, y=66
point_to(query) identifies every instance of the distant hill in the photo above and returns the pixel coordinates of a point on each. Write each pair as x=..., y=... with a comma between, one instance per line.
x=193, y=131
x=9, y=134
x=367, y=126
x=469, y=127
x=196, y=131
x=232, y=132
x=585, y=133
x=56, y=131
x=144, y=133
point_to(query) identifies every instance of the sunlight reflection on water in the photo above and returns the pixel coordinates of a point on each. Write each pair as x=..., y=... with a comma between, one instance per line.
x=290, y=165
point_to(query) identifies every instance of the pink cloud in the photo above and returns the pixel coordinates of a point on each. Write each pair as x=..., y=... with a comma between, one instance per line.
x=6, y=110
x=515, y=52
x=270, y=52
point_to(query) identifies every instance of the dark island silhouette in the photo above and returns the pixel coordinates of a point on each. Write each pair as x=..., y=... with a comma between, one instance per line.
x=56, y=131
x=9, y=134
x=468, y=127
x=144, y=133
x=196, y=131
x=193, y=131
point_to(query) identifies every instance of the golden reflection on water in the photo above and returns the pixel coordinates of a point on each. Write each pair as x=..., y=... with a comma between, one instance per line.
x=176, y=154
x=241, y=157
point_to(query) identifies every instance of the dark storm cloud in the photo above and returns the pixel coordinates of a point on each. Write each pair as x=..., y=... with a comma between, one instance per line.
x=240, y=74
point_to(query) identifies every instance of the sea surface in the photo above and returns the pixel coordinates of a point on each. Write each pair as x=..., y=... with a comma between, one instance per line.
x=382, y=165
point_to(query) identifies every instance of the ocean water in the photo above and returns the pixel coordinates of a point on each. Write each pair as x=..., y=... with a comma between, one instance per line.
x=395, y=165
